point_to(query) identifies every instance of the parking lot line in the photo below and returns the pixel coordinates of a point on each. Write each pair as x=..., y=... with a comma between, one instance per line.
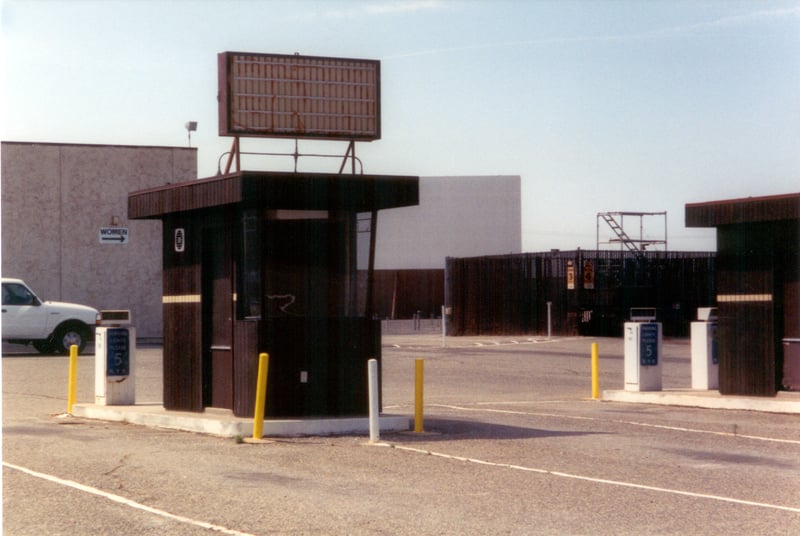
x=617, y=421
x=597, y=480
x=126, y=502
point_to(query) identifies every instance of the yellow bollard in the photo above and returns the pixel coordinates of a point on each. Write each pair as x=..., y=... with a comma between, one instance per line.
x=261, y=395
x=418, y=395
x=595, y=372
x=72, y=393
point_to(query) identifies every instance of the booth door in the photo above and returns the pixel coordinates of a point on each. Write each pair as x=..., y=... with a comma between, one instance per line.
x=217, y=319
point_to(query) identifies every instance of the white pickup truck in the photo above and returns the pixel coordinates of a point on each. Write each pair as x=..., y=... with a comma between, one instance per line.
x=49, y=326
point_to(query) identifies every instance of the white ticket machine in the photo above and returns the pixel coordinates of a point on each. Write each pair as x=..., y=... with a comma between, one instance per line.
x=705, y=358
x=114, y=353
x=643, y=355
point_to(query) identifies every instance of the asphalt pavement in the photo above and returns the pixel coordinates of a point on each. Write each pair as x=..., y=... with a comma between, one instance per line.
x=513, y=444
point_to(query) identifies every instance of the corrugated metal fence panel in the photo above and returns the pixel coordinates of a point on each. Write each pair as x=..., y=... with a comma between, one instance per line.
x=403, y=293
x=589, y=292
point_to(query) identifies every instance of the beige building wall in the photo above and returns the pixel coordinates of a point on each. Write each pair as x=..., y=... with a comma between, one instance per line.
x=457, y=216
x=55, y=199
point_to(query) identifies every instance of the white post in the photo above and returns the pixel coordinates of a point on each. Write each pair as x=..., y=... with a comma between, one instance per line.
x=374, y=420
x=549, y=319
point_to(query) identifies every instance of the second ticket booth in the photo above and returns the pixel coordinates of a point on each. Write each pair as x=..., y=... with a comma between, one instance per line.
x=270, y=262
x=758, y=290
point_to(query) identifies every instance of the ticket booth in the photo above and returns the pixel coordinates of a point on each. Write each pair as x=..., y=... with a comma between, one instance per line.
x=758, y=289
x=270, y=262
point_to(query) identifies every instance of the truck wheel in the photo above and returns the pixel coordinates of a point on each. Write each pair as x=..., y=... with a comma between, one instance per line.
x=69, y=334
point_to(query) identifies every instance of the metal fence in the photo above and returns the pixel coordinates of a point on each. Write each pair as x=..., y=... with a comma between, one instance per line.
x=583, y=292
x=406, y=294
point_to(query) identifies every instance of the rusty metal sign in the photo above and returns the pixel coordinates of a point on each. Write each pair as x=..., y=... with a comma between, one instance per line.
x=570, y=275
x=588, y=275
x=293, y=96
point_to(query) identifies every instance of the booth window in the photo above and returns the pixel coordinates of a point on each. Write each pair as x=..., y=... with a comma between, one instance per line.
x=249, y=291
x=303, y=263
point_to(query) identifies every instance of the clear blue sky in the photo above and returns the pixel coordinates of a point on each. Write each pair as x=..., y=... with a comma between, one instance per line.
x=598, y=106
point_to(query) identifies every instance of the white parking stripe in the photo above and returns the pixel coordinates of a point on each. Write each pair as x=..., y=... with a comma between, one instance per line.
x=617, y=421
x=598, y=480
x=124, y=501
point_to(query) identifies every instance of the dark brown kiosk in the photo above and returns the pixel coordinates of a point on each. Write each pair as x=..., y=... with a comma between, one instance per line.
x=758, y=291
x=270, y=262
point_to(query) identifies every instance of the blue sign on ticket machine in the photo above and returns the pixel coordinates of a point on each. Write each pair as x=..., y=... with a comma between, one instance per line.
x=118, y=352
x=643, y=351
x=115, y=349
x=648, y=345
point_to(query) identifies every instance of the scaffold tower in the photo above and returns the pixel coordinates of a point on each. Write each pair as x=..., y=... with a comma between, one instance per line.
x=616, y=221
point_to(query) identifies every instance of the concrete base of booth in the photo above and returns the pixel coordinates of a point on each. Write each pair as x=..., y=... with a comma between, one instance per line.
x=783, y=402
x=223, y=423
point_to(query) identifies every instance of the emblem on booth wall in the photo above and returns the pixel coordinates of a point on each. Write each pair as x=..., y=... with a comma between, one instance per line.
x=180, y=240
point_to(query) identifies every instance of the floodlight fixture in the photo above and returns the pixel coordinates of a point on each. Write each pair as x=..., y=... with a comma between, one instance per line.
x=191, y=126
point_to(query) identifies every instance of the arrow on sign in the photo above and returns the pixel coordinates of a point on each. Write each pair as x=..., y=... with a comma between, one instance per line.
x=113, y=239
x=113, y=234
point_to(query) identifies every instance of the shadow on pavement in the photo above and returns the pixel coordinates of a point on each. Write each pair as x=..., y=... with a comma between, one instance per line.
x=447, y=429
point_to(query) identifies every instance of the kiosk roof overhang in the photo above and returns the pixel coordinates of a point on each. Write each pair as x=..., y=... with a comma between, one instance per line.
x=746, y=210
x=279, y=191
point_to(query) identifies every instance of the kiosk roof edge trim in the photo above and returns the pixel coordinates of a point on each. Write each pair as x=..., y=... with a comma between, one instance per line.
x=277, y=190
